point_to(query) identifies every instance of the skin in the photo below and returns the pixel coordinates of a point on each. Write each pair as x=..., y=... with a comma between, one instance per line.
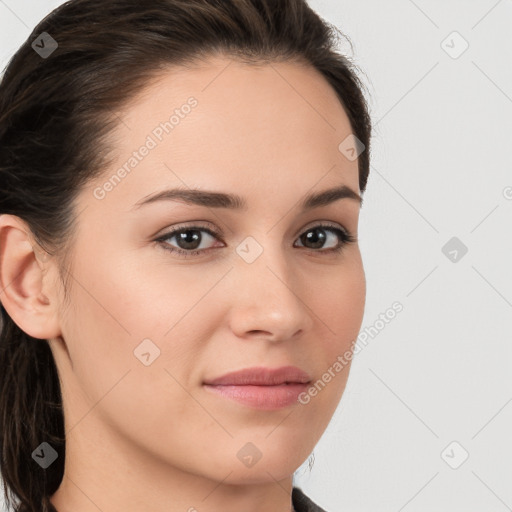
x=151, y=437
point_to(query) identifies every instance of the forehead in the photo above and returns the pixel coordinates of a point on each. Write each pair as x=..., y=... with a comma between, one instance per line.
x=222, y=124
x=225, y=82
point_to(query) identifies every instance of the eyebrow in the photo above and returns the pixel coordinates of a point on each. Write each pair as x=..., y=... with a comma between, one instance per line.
x=212, y=199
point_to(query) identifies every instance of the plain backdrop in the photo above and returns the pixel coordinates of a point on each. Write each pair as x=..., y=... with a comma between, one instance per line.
x=425, y=421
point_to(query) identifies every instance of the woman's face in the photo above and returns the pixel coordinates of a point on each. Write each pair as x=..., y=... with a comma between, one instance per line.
x=258, y=286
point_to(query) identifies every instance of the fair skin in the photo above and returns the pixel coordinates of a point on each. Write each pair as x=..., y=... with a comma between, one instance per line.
x=151, y=437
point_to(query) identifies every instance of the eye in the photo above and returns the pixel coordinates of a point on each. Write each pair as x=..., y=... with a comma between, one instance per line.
x=318, y=237
x=191, y=241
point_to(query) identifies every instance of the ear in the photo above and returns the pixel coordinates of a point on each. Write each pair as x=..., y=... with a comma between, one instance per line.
x=26, y=292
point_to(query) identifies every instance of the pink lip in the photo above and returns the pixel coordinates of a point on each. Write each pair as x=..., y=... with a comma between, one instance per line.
x=262, y=376
x=260, y=387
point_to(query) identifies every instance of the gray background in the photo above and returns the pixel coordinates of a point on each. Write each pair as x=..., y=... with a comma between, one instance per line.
x=433, y=385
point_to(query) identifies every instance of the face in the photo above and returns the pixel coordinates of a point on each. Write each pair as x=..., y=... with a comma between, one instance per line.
x=265, y=283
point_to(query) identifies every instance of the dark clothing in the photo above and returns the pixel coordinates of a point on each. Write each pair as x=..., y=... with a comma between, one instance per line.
x=301, y=502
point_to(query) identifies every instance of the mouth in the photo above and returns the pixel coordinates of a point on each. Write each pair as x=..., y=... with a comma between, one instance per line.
x=266, y=397
x=260, y=387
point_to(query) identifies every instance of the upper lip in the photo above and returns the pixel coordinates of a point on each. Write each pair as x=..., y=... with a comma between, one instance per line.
x=262, y=376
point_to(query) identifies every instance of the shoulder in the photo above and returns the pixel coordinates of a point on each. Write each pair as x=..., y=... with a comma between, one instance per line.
x=302, y=503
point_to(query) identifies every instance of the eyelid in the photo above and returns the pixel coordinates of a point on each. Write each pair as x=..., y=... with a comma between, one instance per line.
x=324, y=223
x=208, y=226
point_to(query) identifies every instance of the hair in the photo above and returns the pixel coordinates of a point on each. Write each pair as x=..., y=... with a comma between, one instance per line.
x=56, y=114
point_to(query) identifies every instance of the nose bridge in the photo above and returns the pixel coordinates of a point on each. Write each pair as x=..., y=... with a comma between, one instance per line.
x=267, y=297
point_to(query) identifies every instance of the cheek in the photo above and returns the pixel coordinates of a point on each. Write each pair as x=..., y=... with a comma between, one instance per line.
x=338, y=299
x=338, y=302
x=104, y=329
x=130, y=309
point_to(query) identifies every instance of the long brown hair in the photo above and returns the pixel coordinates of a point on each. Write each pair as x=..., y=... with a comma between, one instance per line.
x=56, y=111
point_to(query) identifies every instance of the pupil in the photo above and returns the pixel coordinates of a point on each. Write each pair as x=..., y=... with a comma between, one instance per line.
x=189, y=242
x=316, y=240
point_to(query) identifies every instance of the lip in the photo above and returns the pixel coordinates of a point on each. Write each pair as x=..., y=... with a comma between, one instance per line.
x=260, y=387
x=262, y=376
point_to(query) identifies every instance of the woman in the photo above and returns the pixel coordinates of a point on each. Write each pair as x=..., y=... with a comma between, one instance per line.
x=180, y=186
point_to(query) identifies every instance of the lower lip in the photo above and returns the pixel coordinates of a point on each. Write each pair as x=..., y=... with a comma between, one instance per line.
x=261, y=397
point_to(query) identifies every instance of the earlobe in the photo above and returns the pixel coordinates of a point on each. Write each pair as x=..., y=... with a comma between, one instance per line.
x=26, y=292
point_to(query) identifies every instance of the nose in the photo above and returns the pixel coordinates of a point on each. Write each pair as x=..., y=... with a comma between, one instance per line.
x=270, y=299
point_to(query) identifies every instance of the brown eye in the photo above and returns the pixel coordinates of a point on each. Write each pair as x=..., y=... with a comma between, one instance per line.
x=319, y=236
x=189, y=240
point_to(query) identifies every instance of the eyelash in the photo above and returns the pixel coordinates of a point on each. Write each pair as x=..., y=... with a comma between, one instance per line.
x=345, y=237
